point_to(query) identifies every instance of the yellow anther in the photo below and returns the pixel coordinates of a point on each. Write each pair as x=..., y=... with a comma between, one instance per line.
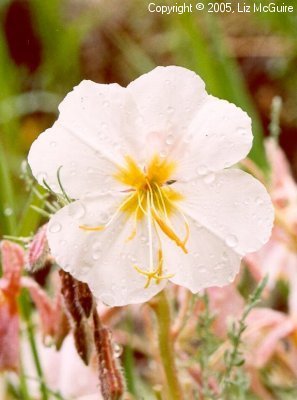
x=92, y=228
x=132, y=236
x=155, y=274
x=187, y=233
x=169, y=232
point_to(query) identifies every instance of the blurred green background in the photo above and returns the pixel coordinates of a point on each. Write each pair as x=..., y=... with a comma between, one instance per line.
x=48, y=46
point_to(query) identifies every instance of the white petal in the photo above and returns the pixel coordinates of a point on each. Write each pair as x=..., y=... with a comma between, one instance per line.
x=103, y=259
x=209, y=262
x=219, y=136
x=105, y=117
x=232, y=205
x=83, y=170
x=167, y=98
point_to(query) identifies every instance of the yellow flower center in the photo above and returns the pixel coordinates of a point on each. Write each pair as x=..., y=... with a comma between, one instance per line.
x=150, y=195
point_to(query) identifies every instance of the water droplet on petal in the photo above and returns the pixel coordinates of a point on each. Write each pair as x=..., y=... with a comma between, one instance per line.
x=97, y=247
x=198, y=225
x=170, y=110
x=227, y=164
x=76, y=210
x=96, y=255
x=117, y=350
x=242, y=131
x=169, y=139
x=55, y=227
x=259, y=201
x=85, y=268
x=219, y=266
x=104, y=217
x=209, y=178
x=202, y=269
x=202, y=170
x=231, y=241
x=108, y=299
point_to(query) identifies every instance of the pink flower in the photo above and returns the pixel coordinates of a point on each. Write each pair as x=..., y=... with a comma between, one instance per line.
x=11, y=283
x=65, y=372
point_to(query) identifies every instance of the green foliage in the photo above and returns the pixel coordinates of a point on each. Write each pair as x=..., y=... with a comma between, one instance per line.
x=232, y=383
x=208, y=343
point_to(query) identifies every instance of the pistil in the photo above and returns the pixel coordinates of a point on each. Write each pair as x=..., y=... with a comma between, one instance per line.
x=151, y=198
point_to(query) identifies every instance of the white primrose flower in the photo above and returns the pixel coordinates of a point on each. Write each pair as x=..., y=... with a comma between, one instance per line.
x=153, y=197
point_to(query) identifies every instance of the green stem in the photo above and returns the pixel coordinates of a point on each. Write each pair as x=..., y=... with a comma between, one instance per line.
x=8, y=221
x=162, y=311
x=25, y=308
x=23, y=385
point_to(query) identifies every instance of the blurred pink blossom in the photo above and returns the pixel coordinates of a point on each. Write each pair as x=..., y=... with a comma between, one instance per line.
x=64, y=372
x=278, y=258
x=12, y=264
x=11, y=283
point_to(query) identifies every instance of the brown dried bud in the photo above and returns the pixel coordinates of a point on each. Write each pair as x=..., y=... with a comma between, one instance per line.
x=83, y=341
x=110, y=376
x=62, y=325
x=78, y=303
x=84, y=297
x=68, y=290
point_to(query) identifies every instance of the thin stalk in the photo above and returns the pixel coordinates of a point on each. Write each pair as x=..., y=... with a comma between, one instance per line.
x=162, y=310
x=6, y=195
x=128, y=360
x=23, y=385
x=25, y=309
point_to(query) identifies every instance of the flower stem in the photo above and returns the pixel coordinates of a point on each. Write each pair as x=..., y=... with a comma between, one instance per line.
x=26, y=314
x=162, y=310
x=23, y=385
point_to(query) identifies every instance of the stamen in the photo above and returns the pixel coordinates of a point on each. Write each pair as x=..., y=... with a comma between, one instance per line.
x=162, y=200
x=140, y=198
x=133, y=233
x=169, y=232
x=149, y=216
x=184, y=218
x=186, y=225
x=155, y=274
x=102, y=227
